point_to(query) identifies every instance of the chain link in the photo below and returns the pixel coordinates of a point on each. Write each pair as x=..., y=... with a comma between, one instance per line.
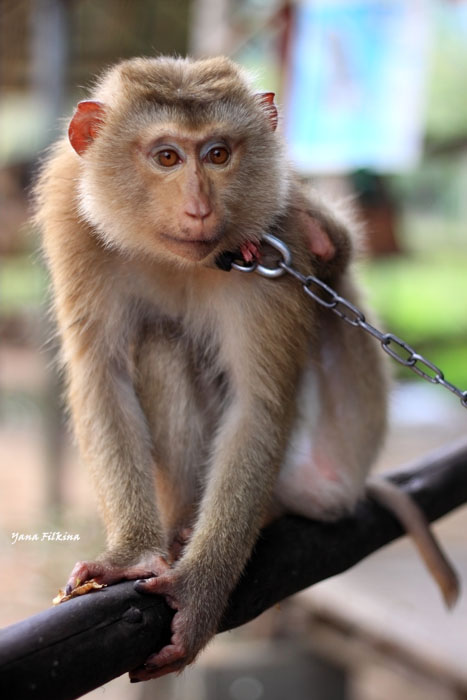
x=325, y=296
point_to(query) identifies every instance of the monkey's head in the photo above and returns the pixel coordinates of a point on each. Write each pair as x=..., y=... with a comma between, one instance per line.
x=179, y=159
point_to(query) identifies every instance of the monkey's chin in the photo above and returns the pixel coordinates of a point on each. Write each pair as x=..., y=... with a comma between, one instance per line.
x=194, y=251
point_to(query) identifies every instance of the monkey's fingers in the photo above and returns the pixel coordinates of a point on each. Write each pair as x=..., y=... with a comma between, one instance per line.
x=104, y=572
x=250, y=251
x=177, y=654
x=147, y=672
x=159, y=585
x=82, y=571
x=171, y=658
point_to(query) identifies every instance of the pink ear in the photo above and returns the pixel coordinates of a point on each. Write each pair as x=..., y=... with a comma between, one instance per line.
x=88, y=117
x=267, y=99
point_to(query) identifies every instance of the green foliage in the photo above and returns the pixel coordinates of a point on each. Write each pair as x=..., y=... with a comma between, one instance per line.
x=22, y=284
x=423, y=299
x=447, y=94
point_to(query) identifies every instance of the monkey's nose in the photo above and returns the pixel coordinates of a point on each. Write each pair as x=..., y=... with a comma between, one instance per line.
x=198, y=209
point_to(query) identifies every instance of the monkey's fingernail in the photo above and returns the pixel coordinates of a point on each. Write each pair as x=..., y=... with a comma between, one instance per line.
x=68, y=589
x=140, y=586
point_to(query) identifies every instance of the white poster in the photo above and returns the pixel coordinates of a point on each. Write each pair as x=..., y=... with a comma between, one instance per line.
x=356, y=85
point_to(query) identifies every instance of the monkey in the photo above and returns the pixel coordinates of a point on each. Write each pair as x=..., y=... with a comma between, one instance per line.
x=205, y=401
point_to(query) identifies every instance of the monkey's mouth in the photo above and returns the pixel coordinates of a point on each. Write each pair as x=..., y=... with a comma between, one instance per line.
x=192, y=249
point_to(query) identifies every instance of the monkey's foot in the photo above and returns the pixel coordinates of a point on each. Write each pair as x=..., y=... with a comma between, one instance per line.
x=171, y=658
x=176, y=655
x=105, y=571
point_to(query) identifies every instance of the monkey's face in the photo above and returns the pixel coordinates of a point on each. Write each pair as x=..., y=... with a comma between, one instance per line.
x=184, y=179
x=186, y=175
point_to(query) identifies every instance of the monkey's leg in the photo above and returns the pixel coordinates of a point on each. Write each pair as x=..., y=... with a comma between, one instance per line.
x=340, y=422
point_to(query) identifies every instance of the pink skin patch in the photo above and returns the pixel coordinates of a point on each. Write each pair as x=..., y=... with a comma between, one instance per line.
x=312, y=473
x=250, y=252
x=313, y=485
x=319, y=242
x=325, y=467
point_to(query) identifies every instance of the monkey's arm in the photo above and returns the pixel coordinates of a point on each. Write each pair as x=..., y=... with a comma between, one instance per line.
x=109, y=423
x=112, y=433
x=95, y=321
x=247, y=453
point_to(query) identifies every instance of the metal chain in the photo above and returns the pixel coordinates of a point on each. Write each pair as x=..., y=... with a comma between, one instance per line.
x=399, y=350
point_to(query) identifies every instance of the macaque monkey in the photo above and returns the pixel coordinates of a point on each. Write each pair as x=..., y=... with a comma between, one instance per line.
x=206, y=402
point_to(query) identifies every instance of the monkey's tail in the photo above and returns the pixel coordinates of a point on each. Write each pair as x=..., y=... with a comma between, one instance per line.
x=399, y=503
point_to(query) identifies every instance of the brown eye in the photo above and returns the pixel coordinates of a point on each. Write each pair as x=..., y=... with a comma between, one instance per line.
x=168, y=158
x=218, y=155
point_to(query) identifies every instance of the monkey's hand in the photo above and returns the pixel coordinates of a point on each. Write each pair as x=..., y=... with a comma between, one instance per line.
x=194, y=623
x=110, y=568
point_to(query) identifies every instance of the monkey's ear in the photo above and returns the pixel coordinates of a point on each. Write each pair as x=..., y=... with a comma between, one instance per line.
x=88, y=117
x=267, y=99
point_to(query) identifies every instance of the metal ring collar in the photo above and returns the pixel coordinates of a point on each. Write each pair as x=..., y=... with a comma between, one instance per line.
x=270, y=272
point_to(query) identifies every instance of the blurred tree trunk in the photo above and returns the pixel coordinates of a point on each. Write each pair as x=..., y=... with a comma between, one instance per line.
x=49, y=42
x=210, y=28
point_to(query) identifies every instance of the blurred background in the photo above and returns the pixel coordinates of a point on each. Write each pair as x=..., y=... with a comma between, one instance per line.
x=373, y=96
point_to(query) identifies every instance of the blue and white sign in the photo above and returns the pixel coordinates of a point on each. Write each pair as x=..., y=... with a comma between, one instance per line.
x=356, y=90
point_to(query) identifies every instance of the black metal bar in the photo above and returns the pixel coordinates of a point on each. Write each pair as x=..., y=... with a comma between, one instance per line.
x=77, y=646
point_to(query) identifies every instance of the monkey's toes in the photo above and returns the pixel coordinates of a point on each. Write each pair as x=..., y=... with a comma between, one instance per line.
x=170, y=659
x=174, y=656
x=83, y=571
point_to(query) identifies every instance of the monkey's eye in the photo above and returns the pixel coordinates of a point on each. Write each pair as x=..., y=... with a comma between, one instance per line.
x=218, y=155
x=167, y=158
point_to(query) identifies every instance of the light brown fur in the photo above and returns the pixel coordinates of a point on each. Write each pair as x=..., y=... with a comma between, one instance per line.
x=184, y=376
